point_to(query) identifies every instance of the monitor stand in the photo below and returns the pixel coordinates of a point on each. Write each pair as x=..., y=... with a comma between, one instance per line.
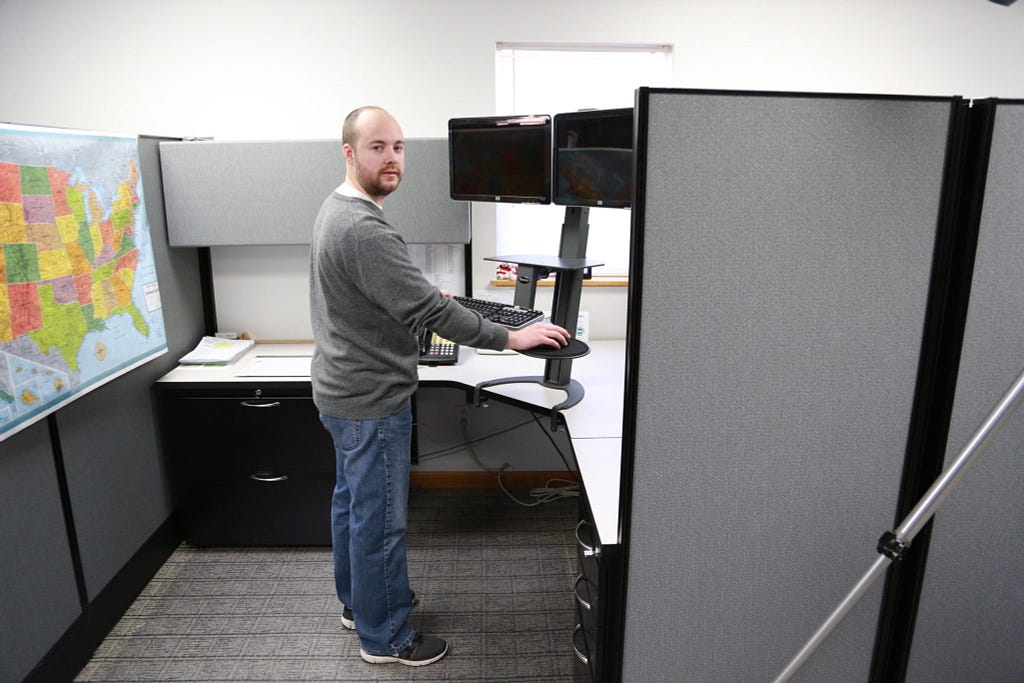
x=568, y=267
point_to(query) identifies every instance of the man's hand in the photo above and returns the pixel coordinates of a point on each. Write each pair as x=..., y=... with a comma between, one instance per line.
x=537, y=334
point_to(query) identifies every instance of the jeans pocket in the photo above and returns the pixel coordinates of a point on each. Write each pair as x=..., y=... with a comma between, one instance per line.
x=347, y=434
x=351, y=435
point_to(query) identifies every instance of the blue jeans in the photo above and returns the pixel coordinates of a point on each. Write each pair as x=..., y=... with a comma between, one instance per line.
x=368, y=519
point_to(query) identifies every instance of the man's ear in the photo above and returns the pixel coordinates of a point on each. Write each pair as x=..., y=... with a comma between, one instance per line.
x=349, y=152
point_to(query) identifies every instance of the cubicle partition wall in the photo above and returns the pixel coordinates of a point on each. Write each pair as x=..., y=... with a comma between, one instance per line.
x=85, y=497
x=971, y=613
x=263, y=193
x=268, y=192
x=784, y=276
x=113, y=470
x=38, y=574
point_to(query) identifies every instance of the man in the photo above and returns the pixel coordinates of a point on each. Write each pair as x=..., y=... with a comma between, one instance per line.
x=368, y=302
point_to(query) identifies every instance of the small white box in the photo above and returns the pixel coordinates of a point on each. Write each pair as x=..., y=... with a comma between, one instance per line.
x=583, y=326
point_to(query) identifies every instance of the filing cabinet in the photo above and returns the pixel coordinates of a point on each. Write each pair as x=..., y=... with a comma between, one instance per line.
x=597, y=593
x=252, y=464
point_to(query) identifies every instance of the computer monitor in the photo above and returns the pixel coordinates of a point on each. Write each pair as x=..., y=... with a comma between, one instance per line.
x=593, y=158
x=500, y=159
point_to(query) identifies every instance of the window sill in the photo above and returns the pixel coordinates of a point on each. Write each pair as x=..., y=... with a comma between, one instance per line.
x=597, y=281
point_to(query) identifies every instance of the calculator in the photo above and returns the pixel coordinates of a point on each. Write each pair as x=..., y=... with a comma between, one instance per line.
x=436, y=350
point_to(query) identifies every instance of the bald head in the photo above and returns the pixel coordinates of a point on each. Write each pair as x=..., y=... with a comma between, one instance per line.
x=350, y=128
x=374, y=152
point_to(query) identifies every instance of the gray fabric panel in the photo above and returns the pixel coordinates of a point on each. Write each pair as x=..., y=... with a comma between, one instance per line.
x=117, y=479
x=177, y=269
x=119, y=488
x=37, y=581
x=971, y=615
x=787, y=251
x=269, y=192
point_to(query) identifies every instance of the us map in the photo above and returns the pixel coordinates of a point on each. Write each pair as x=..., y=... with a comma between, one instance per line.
x=79, y=299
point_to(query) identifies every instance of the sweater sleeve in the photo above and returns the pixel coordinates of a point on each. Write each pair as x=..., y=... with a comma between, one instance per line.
x=380, y=263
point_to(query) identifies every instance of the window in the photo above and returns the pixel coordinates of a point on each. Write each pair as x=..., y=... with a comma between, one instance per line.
x=533, y=78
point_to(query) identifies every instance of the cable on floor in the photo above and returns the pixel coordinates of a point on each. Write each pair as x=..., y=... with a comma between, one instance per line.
x=540, y=495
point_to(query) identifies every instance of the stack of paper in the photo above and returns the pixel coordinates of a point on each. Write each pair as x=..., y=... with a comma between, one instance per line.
x=217, y=350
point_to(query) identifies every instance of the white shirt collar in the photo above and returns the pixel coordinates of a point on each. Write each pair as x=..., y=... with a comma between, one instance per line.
x=347, y=190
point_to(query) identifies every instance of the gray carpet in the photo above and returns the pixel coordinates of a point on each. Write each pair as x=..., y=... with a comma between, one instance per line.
x=494, y=578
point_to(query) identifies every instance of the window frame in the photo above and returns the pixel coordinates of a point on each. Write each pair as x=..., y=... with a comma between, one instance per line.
x=522, y=228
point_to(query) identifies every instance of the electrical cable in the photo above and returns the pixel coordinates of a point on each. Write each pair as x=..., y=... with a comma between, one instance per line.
x=460, y=446
x=543, y=494
x=540, y=495
x=536, y=418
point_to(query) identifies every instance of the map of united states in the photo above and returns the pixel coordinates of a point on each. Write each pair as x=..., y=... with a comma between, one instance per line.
x=65, y=268
x=69, y=262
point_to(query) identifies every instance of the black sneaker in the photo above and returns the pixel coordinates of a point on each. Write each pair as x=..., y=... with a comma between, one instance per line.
x=349, y=621
x=421, y=651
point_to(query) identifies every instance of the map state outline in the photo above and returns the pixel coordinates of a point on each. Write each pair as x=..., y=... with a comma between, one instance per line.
x=78, y=281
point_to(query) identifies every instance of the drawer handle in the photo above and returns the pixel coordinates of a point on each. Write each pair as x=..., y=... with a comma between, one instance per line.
x=588, y=550
x=575, y=591
x=272, y=404
x=576, y=651
x=268, y=476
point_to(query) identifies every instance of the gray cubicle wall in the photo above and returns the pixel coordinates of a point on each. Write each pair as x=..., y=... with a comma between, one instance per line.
x=118, y=482
x=971, y=616
x=782, y=252
x=117, y=487
x=38, y=594
x=269, y=192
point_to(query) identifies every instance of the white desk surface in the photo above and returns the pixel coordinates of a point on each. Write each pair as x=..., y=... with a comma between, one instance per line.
x=595, y=423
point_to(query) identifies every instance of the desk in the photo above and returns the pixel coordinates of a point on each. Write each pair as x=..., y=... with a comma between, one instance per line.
x=214, y=394
x=594, y=425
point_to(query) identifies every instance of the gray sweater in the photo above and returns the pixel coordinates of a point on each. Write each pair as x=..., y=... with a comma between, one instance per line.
x=368, y=301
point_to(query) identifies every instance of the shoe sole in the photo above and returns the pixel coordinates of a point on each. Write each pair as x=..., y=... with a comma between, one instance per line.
x=392, y=659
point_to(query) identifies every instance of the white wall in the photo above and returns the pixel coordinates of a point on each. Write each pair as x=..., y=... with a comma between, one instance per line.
x=265, y=69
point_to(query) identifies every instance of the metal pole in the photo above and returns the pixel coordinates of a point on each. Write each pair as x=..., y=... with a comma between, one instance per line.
x=914, y=521
x=949, y=478
x=877, y=569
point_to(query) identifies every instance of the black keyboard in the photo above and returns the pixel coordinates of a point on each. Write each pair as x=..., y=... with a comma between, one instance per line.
x=512, y=317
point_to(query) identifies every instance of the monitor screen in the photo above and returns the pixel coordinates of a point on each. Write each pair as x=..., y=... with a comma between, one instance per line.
x=500, y=159
x=593, y=159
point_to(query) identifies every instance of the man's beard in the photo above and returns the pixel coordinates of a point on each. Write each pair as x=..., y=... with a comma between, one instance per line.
x=373, y=184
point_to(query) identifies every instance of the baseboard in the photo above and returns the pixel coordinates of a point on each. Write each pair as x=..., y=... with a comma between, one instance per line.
x=483, y=480
x=75, y=648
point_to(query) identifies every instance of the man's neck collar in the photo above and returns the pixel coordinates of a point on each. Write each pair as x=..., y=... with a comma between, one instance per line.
x=349, y=190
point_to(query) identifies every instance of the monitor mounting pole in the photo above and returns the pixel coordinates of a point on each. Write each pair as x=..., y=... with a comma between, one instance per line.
x=568, y=267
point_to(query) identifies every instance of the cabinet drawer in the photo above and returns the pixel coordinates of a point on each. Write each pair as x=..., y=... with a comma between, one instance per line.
x=252, y=465
x=584, y=666
x=247, y=434
x=598, y=595
x=586, y=598
x=259, y=509
x=588, y=553
x=586, y=595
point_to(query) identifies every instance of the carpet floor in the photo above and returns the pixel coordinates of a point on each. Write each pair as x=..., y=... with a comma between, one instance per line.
x=493, y=577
